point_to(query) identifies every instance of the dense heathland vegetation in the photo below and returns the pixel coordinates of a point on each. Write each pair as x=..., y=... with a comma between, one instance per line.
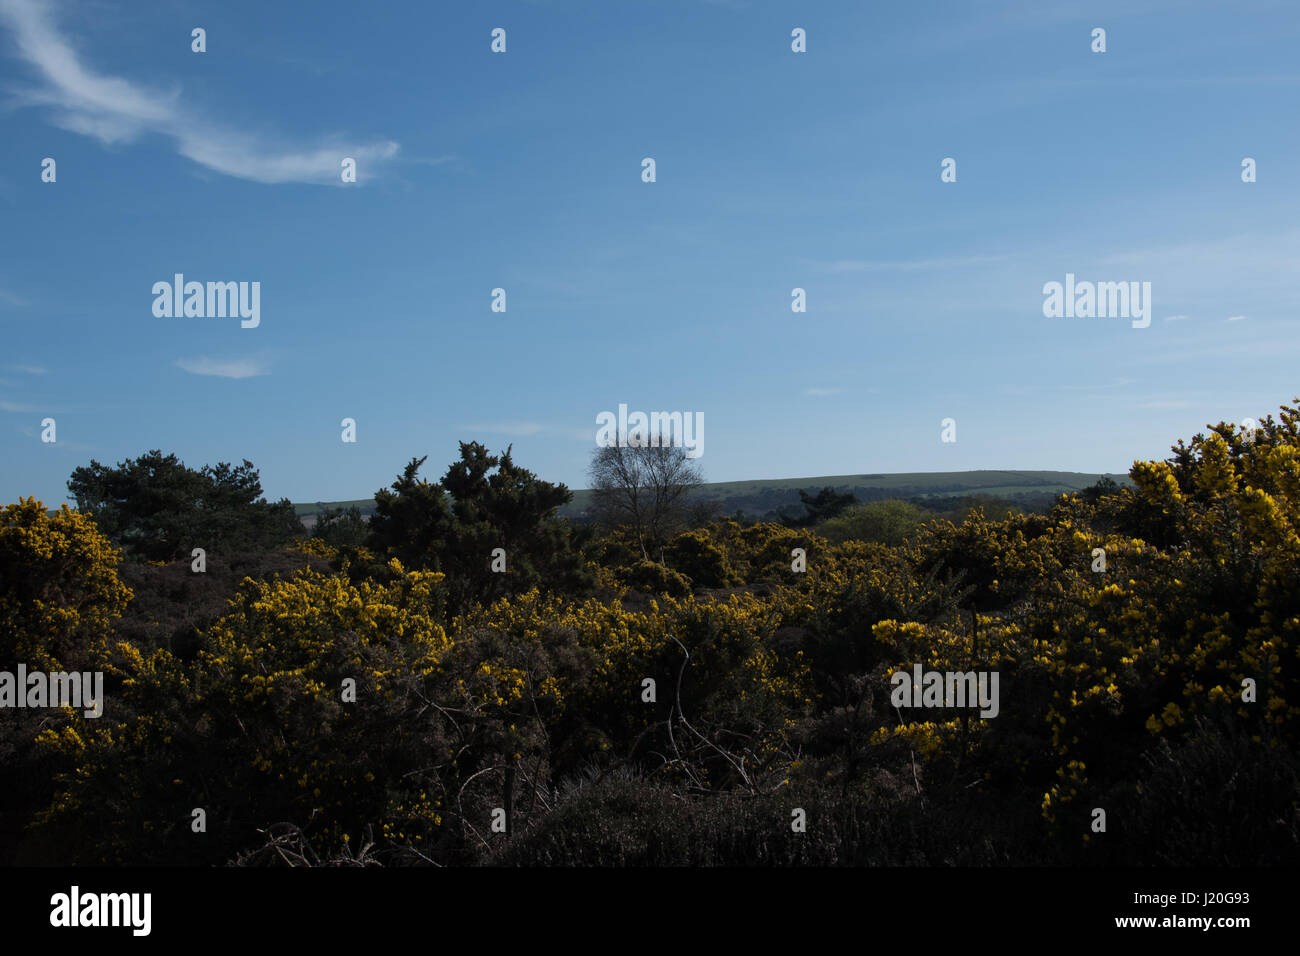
x=524, y=689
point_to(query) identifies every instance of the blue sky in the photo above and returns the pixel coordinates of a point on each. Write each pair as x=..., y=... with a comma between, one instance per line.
x=522, y=170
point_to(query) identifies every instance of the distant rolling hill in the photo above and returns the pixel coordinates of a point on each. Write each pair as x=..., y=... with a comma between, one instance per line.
x=763, y=498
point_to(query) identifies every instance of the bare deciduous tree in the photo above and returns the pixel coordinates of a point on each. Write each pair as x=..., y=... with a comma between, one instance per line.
x=645, y=487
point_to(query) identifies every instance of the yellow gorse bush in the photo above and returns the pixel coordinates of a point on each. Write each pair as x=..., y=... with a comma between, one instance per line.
x=59, y=588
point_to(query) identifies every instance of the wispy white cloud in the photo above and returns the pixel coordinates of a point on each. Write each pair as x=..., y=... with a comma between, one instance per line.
x=1273, y=348
x=228, y=368
x=1259, y=262
x=822, y=392
x=504, y=428
x=113, y=110
x=28, y=369
x=1267, y=253
x=1175, y=318
x=16, y=407
x=1253, y=274
x=1236, y=318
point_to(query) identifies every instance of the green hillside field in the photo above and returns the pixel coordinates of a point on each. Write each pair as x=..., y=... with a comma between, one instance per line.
x=764, y=497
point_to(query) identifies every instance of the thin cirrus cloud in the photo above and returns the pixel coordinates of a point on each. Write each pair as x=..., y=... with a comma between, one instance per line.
x=113, y=110
x=228, y=368
x=29, y=369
